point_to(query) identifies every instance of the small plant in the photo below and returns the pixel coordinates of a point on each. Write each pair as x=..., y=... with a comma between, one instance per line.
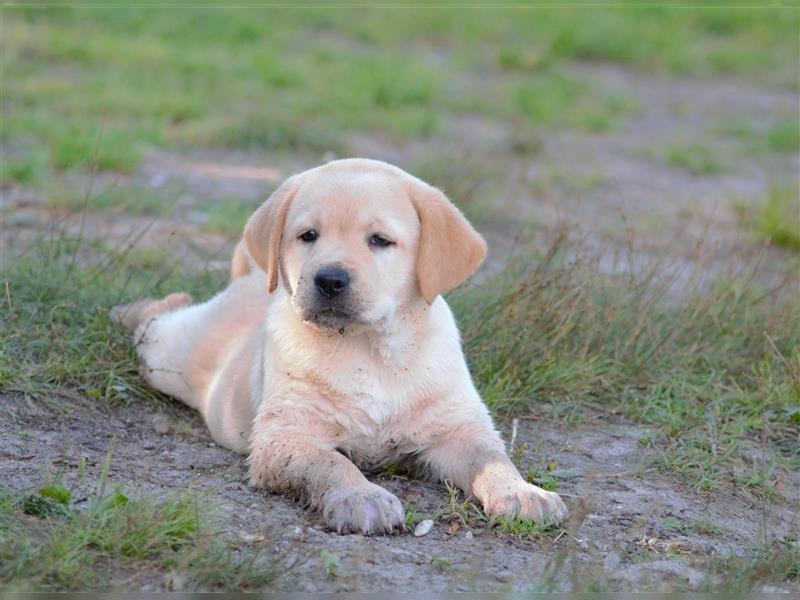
x=778, y=217
x=330, y=562
x=413, y=515
x=784, y=136
x=523, y=528
x=695, y=158
x=441, y=563
x=462, y=513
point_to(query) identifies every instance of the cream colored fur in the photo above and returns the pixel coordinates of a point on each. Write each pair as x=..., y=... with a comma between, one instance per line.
x=310, y=404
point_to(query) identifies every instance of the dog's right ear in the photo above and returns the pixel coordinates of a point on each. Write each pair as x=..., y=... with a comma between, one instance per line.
x=264, y=230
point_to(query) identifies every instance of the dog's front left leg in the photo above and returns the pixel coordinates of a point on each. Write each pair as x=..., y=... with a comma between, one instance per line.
x=304, y=461
x=472, y=456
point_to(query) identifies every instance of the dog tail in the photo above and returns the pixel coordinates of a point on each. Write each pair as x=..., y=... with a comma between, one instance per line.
x=130, y=316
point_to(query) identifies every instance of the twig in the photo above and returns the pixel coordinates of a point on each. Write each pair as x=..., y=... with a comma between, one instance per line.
x=514, y=426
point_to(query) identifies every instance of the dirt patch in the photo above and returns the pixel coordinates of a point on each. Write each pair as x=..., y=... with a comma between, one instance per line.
x=630, y=527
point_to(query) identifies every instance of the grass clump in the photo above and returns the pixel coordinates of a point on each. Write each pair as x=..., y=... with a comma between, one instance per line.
x=48, y=543
x=695, y=158
x=784, y=136
x=776, y=218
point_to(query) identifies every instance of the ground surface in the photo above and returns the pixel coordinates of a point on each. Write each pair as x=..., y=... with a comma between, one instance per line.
x=686, y=156
x=633, y=530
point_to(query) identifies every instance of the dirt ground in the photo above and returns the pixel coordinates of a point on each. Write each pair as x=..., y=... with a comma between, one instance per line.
x=630, y=530
x=632, y=527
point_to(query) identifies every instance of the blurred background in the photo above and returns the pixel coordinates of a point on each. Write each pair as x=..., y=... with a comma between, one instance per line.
x=172, y=124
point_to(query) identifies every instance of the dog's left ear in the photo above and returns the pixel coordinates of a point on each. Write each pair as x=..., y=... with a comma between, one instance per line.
x=264, y=230
x=450, y=250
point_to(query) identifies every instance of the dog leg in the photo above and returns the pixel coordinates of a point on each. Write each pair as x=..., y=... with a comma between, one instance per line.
x=132, y=315
x=473, y=458
x=288, y=459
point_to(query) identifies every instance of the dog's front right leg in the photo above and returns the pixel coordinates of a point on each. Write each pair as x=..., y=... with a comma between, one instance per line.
x=289, y=458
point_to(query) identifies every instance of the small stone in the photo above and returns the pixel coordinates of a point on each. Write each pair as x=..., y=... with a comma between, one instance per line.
x=296, y=533
x=423, y=528
x=468, y=535
x=252, y=538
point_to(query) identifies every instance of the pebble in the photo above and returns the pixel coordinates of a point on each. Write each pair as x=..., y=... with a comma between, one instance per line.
x=468, y=535
x=423, y=528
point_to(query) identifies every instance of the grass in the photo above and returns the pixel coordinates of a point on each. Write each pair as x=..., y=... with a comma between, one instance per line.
x=776, y=218
x=705, y=367
x=58, y=341
x=713, y=367
x=784, y=136
x=94, y=86
x=227, y=216
x=48, y=541
x=715, y=370
x=695, y=158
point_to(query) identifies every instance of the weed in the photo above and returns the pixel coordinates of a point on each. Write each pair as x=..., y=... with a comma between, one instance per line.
x=523, y=528
x=331, y=563
x=413, y=516
x=466, y=513
x=228, y=216
x=784, y=136
x=442, y=563
x=48, y=543
x=695, y=158
x=779, y=217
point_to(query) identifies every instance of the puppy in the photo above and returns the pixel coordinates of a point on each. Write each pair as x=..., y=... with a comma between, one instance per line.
x=332, y=349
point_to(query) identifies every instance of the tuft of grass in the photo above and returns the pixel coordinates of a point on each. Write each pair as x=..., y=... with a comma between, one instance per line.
x=784, y=136
x=695, y=158
x=777, y=217
x=572, y=182
x=227, y=216
x=103, y=545
x=330, y=563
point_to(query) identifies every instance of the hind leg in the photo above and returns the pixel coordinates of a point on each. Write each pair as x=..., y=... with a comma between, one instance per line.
x=158, y=345
x=132, y=315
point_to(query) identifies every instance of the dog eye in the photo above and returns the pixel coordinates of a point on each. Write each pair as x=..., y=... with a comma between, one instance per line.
x=378, y=241
x=309, y=236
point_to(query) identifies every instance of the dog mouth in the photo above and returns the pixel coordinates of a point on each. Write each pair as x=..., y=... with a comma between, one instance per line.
x=330, y=317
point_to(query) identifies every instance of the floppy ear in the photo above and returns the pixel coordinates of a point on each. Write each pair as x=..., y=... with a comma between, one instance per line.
x=264, y=230
x=450, y=250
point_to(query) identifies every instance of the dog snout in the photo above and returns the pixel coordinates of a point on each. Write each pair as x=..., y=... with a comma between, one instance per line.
x=331, y=281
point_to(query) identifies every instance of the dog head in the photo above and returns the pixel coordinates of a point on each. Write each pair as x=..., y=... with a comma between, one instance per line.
x=354, y=240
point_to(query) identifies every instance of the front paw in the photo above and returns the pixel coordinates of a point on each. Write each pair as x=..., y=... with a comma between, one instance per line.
x=368, y=509
x=526, y=501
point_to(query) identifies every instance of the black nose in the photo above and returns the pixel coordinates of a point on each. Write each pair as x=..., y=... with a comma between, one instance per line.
x=331, y=281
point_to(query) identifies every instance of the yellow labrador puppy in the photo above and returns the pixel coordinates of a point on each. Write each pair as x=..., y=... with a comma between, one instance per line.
x=332, y=348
